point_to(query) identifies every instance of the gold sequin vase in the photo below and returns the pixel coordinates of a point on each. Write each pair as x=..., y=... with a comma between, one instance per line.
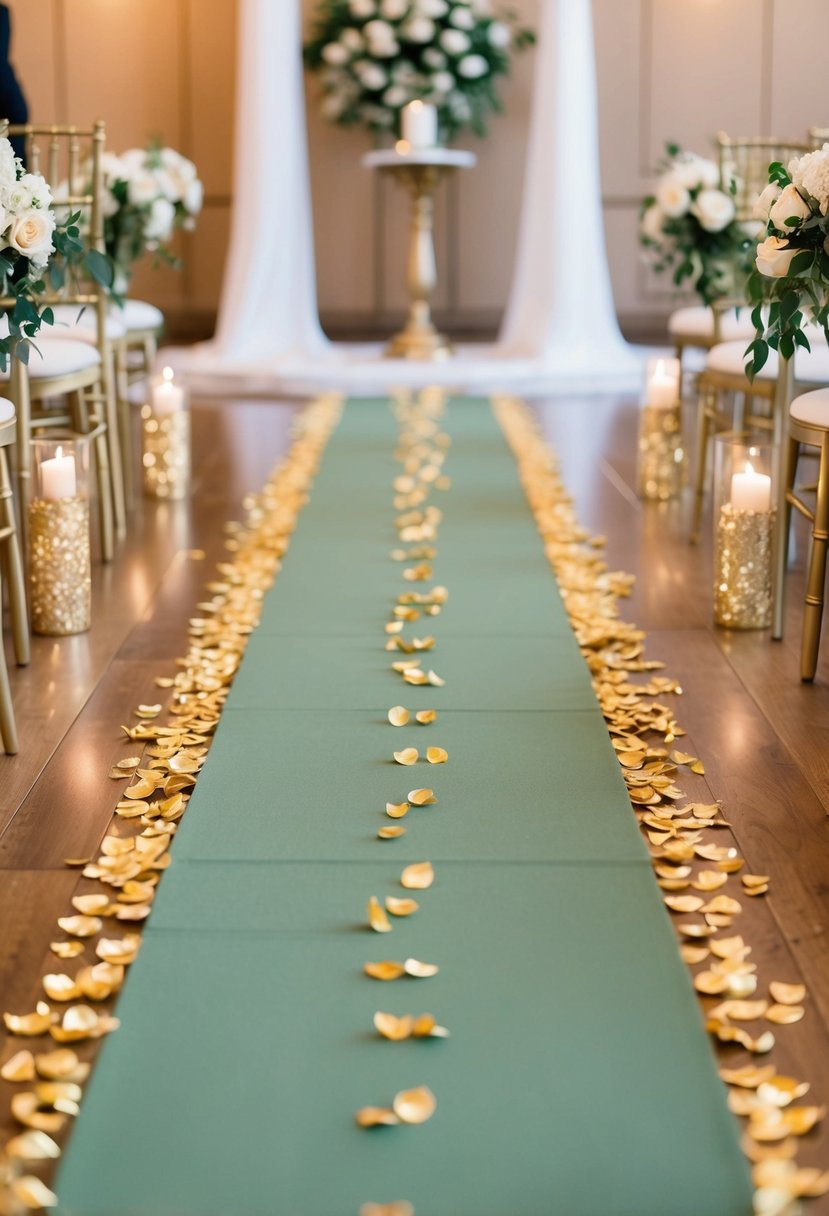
x=660, y=467
x=166, y=453
x=744, y=518
x=61, y=579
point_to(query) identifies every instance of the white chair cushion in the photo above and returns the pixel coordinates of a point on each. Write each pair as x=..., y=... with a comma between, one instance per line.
x=58, y=357
x=698, y=322
x=810, y=367
x=138, y=314
x=6, y=411
x=68, y=325
x=730, y=358
x=812, y=409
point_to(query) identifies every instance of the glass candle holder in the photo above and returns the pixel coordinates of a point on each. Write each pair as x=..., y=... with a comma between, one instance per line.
x=165, y=429
x=744, y=512
x=59, y=548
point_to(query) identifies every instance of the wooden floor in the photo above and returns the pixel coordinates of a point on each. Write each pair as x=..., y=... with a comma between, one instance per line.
x=763, y=735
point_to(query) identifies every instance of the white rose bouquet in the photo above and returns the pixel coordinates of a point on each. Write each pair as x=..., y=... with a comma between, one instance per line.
x=689, y=226
x=375, y=56
x=790, y=282
x=29, y=236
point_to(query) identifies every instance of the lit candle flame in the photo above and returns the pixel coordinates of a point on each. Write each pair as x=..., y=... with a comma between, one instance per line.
x=59, y=452
x=167, y=375
x=749, y=469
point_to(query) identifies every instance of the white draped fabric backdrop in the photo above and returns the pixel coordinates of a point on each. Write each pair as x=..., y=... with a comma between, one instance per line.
x=560, y=328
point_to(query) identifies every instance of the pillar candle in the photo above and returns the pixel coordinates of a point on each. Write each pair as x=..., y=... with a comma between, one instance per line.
x=58, y=477
x=750, y=491
x=662, y=383
x=420, y=125
x=167, y=396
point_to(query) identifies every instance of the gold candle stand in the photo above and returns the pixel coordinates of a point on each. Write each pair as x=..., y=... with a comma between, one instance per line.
x=660, y=468
x=165, y=454
x=742, y=568
x=61, y=576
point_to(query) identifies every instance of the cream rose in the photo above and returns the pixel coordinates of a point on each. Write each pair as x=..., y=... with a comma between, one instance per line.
x=652, y=223
x=672, y=196
x=31, y=235
x=472, y=67
x=774, y=258
x=789, y=206
x=159, y=223
x=714, y=210
x=455, y=42
x=766, y=201
x=335, y=53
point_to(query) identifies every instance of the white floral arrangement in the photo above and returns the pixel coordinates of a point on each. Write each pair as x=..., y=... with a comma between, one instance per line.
x=375, y=56
x=790, y=285
x=689, y=226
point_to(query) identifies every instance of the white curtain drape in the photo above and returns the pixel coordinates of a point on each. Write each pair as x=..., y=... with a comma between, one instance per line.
x=560, y=312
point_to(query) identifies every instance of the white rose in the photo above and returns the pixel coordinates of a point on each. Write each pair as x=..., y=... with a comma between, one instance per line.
x=765, y=201
x=142, y=189
x=5, y=220
x=652, y=223
x=499, y=35
x=462, y=19
x=352, y=40
x=811, y=176
x=455, y=42
x=443, y=82
x=8, y=164
x=194, y=197
x=692, y=171
x=378, y=31
x=790, y=205
x=159, y=223
x=19, y=198
x=773, y=258
x=134, y=161
x=38, y=189
x=432, y=8
x=433, y=58
x=393, y=10
x=363, y=8
x=31, y=235
x=672, y=196
x=472, y=67
x=714, y=210
x=373, y=76
x=335, y=53
x=396, y=96
x=418, y=29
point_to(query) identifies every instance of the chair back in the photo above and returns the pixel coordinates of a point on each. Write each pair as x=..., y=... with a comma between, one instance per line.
x=747, y=158
x=818, y=136
x=70, y=158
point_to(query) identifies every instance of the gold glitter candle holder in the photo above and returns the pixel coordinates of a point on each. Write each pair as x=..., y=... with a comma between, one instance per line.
x=59, y=548
x=744, y=513
x=165, y=427
x=660, y=467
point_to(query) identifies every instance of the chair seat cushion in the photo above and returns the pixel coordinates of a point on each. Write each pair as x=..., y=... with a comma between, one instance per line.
x=78, y=323
x=698, y=322
x=812, y=409
x=7, y=412
x=58, y=357
x=138, y=314
x=811, y=367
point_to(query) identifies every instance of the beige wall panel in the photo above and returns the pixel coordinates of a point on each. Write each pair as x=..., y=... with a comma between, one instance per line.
x=159, y=283
x=124, y=65
x=706, y=70
x=617, y=29
x=799, y=94
x=34, y=38
x=210, y=91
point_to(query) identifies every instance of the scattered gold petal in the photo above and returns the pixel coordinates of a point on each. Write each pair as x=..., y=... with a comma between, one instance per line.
x=425, y=716
x=376, y=1116
x=33, y=1193
x=391, y=831
x=787, y=994
x=377, y=918
x=418, y=970
x=422, y=797
x=409, y=755
x=437, y=755
x=801, y=1119
x=148, y=711
x=393, y=1028
x=709, y=880
x=415, y=1105
x=750, y=1076
x=780, y=1091
x=683, y=903
x=21, y=1067
x=29, y=1024
x=80, y=926
x=724, y=904
x=33, y=1146
x=785, y=1015
x=397, y=1208
x=67, y=949
x=693, y=954
x=398, y=715
x=754, y=880
x=118, y=950
x=396, y=810
x=26, y=1109
x=91, y=905
x=60, y=988
x=57, y=1065
x=385, y=970
x=418, y=876
x=401, y=907
x=434, y=679
x=709, y=983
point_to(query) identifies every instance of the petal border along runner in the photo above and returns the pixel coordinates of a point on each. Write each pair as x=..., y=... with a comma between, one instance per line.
x=157, y=796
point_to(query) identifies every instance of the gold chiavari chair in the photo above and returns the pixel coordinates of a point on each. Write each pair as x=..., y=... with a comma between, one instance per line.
x=809, y=425
x=69, y=368
x=12, y=571
x=747, y=159
x=136, y=355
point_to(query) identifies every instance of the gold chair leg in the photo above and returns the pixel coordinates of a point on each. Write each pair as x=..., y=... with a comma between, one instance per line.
x=816, y=580
x=8, y=727
x=13, y=567
x=783, y=393
x=124, y=420
x=19, y=386
x=113, y=442
x=703, y=432
x=81, y=413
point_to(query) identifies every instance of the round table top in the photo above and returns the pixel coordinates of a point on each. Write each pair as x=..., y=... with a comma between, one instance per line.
x=390, y=158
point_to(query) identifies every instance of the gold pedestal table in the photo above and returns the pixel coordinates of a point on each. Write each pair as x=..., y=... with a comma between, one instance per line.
x=419, y=171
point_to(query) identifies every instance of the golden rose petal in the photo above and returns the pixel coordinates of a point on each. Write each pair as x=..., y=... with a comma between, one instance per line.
x=91, y=905
x=419, y=970
x=437, y=755
x=61, y=1095
x=683, y=903
x=801, y=1119
x=29, y=1024
x=391, y=831
x=425, y=716
x=376, y=1116
x=385, y=970
x=20, y=1067
x=377, y=918
x=398, y=1207
x=810, y=1183
x=781, y=1091
x=415, y=1105
x=148, y=711
x=33, y=1193
x=422, y=797
x=741, y=986
x=57, y=1065
x=709, y=880
x=118, y=950
x=754, y=880
x=396, y=810
x=762, y=1044
x=723, y=904
x=409, y=755
x=33, y=1146
x=132, y=912
x=757, y=891
x=741, y=1011
x=132, y=810
x=434, y=679
x=709, y=983
x=750, y=1076
x=398, y=715
x=690, y=930
x=60, y=988
x=693, y=954
x=391, y=1027
x=401, y=907
x=67, y=949
x=80, y=926
x=26, y=1109
x=787, y=994
x=785, y=1015
x=140, y=789
x=729, y=947
x=418, y=876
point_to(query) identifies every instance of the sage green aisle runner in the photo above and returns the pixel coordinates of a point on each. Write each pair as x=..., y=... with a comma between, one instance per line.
x=577, y=1080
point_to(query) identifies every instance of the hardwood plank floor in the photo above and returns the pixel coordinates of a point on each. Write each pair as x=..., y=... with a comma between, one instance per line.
x=763, y=735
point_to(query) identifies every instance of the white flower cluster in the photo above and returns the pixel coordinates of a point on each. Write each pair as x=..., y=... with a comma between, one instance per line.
x=161, y=183
x=390, y=52
x=690, y=185
x=27, y=221
x=788, y=207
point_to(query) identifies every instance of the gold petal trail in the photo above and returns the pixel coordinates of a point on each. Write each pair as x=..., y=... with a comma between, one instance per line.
x=418, y=876
x=377, y=918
